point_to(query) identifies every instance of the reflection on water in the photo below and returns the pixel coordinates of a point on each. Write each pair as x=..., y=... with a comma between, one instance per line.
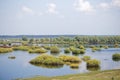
x=93, y=68
x=48, y=66
x=116, y=59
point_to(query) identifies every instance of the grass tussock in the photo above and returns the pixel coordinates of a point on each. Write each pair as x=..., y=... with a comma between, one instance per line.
x=71, y=59
x=93, y=63
x=54, y=49
x=5, y=50
x=116, y=56
x=86, y=58
x=46, y=60
x=39, y=50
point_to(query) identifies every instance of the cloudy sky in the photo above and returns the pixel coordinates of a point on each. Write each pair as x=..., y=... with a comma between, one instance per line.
x=46, y=17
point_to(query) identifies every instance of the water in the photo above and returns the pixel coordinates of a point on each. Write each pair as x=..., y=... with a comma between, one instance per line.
x=20, y=66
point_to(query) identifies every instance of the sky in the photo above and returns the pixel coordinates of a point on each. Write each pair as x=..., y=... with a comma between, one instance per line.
x=59, y=17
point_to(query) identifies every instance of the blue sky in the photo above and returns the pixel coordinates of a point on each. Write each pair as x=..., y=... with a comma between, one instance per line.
x=52, y=17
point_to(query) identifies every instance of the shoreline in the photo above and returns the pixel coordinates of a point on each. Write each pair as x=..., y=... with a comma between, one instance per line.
x=96, y=75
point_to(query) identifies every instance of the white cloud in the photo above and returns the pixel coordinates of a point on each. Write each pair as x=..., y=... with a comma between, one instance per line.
x=83, y=6
x=52, y=8
x=116, y=3
x=104, y=5
x=27, y=10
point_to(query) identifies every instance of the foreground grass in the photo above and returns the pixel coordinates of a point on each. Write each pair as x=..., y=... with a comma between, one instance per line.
x=97, y=75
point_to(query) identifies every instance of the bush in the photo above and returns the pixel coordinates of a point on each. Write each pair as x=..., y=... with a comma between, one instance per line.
x=86, y=58
x=116, y=57
x=5, y=50
x=54, y=49
x=67, y=50
x=46, y=60
x=93, y=63
x=71, y=59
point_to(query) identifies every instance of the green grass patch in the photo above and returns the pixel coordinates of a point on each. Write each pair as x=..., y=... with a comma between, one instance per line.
x=5, y=50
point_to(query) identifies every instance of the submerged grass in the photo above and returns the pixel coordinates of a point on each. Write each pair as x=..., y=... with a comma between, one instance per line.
x=96, y=75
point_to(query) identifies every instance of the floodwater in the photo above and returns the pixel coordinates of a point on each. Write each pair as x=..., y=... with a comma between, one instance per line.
x=20, y=67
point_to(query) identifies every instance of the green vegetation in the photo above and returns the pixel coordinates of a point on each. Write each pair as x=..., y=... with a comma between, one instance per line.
x=74, y=65
x=23, y=48
x=11, y=57
x=40, y=50
x=71, y=59
x=96, y=75
x=78, y=51
x=93, y=63
x=24, y=38
x=67, y=50
x=116, y=56
x=86, y=58
x=47, y=60
x=54, y=49
x=5, y=50
x=95, y=49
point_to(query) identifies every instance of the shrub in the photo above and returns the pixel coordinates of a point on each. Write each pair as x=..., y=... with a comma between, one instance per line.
x=74, y=65
x=5, y=50
x=67, y=50
x=116, y=56
x=93, y=63
x=86, y=58
x=71, y=59
x=54, y=49
x=46, y=60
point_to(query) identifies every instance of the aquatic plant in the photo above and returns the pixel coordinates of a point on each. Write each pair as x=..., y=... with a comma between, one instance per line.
x=71, y=59
x=67, y=50
x=23, y=48
x=11, y=57
x=78, y=51
x=74, y=65
x=116, y=56
x=46, y=60
x=39, y=50
x=5, y=50
x=86, y=58
x=93, y=63
x=54, y=49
